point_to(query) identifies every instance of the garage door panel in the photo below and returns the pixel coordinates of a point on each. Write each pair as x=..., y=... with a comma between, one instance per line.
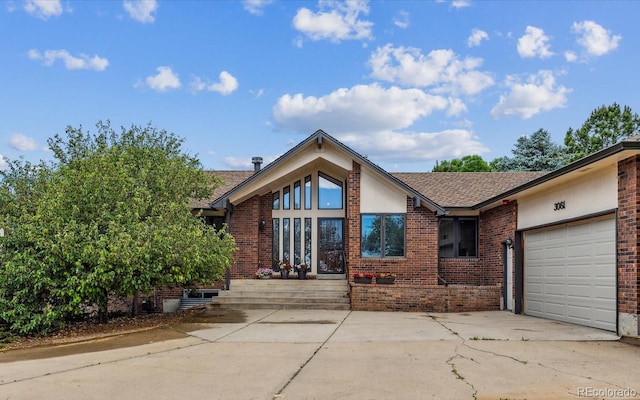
x=570, y=273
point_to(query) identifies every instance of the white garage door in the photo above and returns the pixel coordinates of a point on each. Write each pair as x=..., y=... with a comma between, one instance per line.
x=570, y=273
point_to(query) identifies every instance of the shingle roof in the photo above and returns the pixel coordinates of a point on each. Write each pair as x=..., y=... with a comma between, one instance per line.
x=464, y=189
x=447, y=189
x=230, y=180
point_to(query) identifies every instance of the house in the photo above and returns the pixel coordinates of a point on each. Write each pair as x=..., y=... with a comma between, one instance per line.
x=560, y=245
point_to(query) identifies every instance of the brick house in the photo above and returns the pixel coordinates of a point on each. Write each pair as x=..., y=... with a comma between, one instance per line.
x=560, y=245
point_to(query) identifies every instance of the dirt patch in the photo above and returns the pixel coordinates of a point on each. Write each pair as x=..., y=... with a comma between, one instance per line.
x=86, y=337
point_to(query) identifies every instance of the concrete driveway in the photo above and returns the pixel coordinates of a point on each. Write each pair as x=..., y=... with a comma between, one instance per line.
x=311, y=354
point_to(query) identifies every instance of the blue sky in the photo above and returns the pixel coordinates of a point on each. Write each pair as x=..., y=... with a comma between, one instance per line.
x=404, y=83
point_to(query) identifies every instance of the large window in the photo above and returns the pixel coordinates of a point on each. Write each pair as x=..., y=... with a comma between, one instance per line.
x=329, y=192
x=383, y=235
x=307, y=192
x=458, y=237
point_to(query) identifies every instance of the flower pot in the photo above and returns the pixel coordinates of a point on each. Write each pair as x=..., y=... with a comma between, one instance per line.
x=362, y=280
x=284, y=274
x=385, y=281
x=302, y=274
x=265, y=277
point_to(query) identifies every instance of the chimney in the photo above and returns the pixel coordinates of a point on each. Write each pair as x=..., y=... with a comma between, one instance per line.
x=257, y=163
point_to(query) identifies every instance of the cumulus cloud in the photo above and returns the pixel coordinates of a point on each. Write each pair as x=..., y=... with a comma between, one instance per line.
x=476, y=37
x=336, y=21
x=537, y=93
x=24, y=143
x=82, y=61
x=595, y=40
x=256, y=7
x=442, y=70
x=360, y=108
x=43, y=9
x=534, y=44
x=165, y=79
x=227, y=84
x=141, y=10
x=570, y=56
x=401, y=20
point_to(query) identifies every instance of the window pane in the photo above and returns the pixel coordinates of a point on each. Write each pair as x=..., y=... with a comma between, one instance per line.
x=370, y=238
x=286, y=198
x=446, y=238
x=467, y=238
x=276, y=201
x=329, y=192
x=286, y=240
x=307, y=241
x=296, y=195
x=394, y=235
x=297, y=241
x=275, y=247
x=307, y=193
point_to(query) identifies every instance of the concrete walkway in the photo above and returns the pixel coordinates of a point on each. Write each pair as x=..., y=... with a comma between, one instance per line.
x=311, y=354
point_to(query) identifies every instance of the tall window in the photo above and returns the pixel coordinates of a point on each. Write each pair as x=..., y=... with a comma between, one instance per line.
x=286, y=240
x=297, y=241
x=296, y=195
x=329, y=192
x=307, y=241
x=286, y=198
x=458, y=237
x=382, y=235
x=307, y=192
x=275, y=246
x=276, y=201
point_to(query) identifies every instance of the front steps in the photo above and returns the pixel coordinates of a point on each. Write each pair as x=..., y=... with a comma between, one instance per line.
x=312, y=294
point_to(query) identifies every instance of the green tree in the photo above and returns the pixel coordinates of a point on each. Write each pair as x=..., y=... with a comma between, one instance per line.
x=536, y=152
x=605, y=127
x=110, y=218
x=473, y=163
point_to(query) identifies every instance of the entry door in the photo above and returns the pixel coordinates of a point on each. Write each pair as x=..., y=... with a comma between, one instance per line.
x=330, y=246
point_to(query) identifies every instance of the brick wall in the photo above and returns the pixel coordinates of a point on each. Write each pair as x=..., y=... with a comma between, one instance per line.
x=420, y=264
x=244, y=228
x=628, y=235
x=494, y=227
x=432, y=298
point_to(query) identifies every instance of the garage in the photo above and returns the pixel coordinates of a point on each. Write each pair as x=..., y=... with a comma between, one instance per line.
x=570, y=273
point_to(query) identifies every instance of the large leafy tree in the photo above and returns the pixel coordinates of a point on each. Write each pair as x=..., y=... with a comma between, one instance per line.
x=535, y=152
x=110, y=218
x=473, y=163
x=605, y=127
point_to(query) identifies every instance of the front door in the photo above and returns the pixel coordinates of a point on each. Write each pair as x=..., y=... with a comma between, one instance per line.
x=330, y=246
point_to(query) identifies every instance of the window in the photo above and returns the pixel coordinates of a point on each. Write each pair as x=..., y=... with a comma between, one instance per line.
x=458, y=237
x=307, y=192
x=382, y=235
x=297, y=241
x=329, y=192
x=275, y=246
x=276, y=201
x=286, y=198
x=286, y=240
x=296, y=195
x=307, y=241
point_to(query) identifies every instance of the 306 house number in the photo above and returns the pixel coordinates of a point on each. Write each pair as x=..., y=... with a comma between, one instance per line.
x=559, y=206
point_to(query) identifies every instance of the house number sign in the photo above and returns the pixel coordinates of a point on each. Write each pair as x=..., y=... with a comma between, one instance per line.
x=559, y=206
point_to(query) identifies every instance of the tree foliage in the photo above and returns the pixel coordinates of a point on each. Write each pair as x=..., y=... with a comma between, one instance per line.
x=473, y=163
x=110, y=218
x=536, y=152
x=605, y=127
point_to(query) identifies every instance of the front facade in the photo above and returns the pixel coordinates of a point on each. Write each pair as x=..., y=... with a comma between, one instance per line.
x=562, y=245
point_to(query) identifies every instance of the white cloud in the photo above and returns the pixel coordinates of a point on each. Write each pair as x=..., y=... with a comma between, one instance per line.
x=476, y=37
x=441, y=69
x=534, y=44
x=82, y=61
x=165, y=79
x=526, y=99
x=227, y=85
x=570, y=56
x=461, y=3
x=256, y=7
x=336, y=21
x=401, y=20
x=245, y=162
x=43, y=9
x=141, y=10
x=24, y=143
x=596, y=40
x=362, y=108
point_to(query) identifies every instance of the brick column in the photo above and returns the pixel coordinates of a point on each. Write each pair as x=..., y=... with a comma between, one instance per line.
x=627, y=246
x=352, y=235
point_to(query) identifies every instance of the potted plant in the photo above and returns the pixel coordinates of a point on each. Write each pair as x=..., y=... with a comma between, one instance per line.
x=362, y=277
x=264, y=273
x=385, y=278
x=302, y=270
x=284, y=268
